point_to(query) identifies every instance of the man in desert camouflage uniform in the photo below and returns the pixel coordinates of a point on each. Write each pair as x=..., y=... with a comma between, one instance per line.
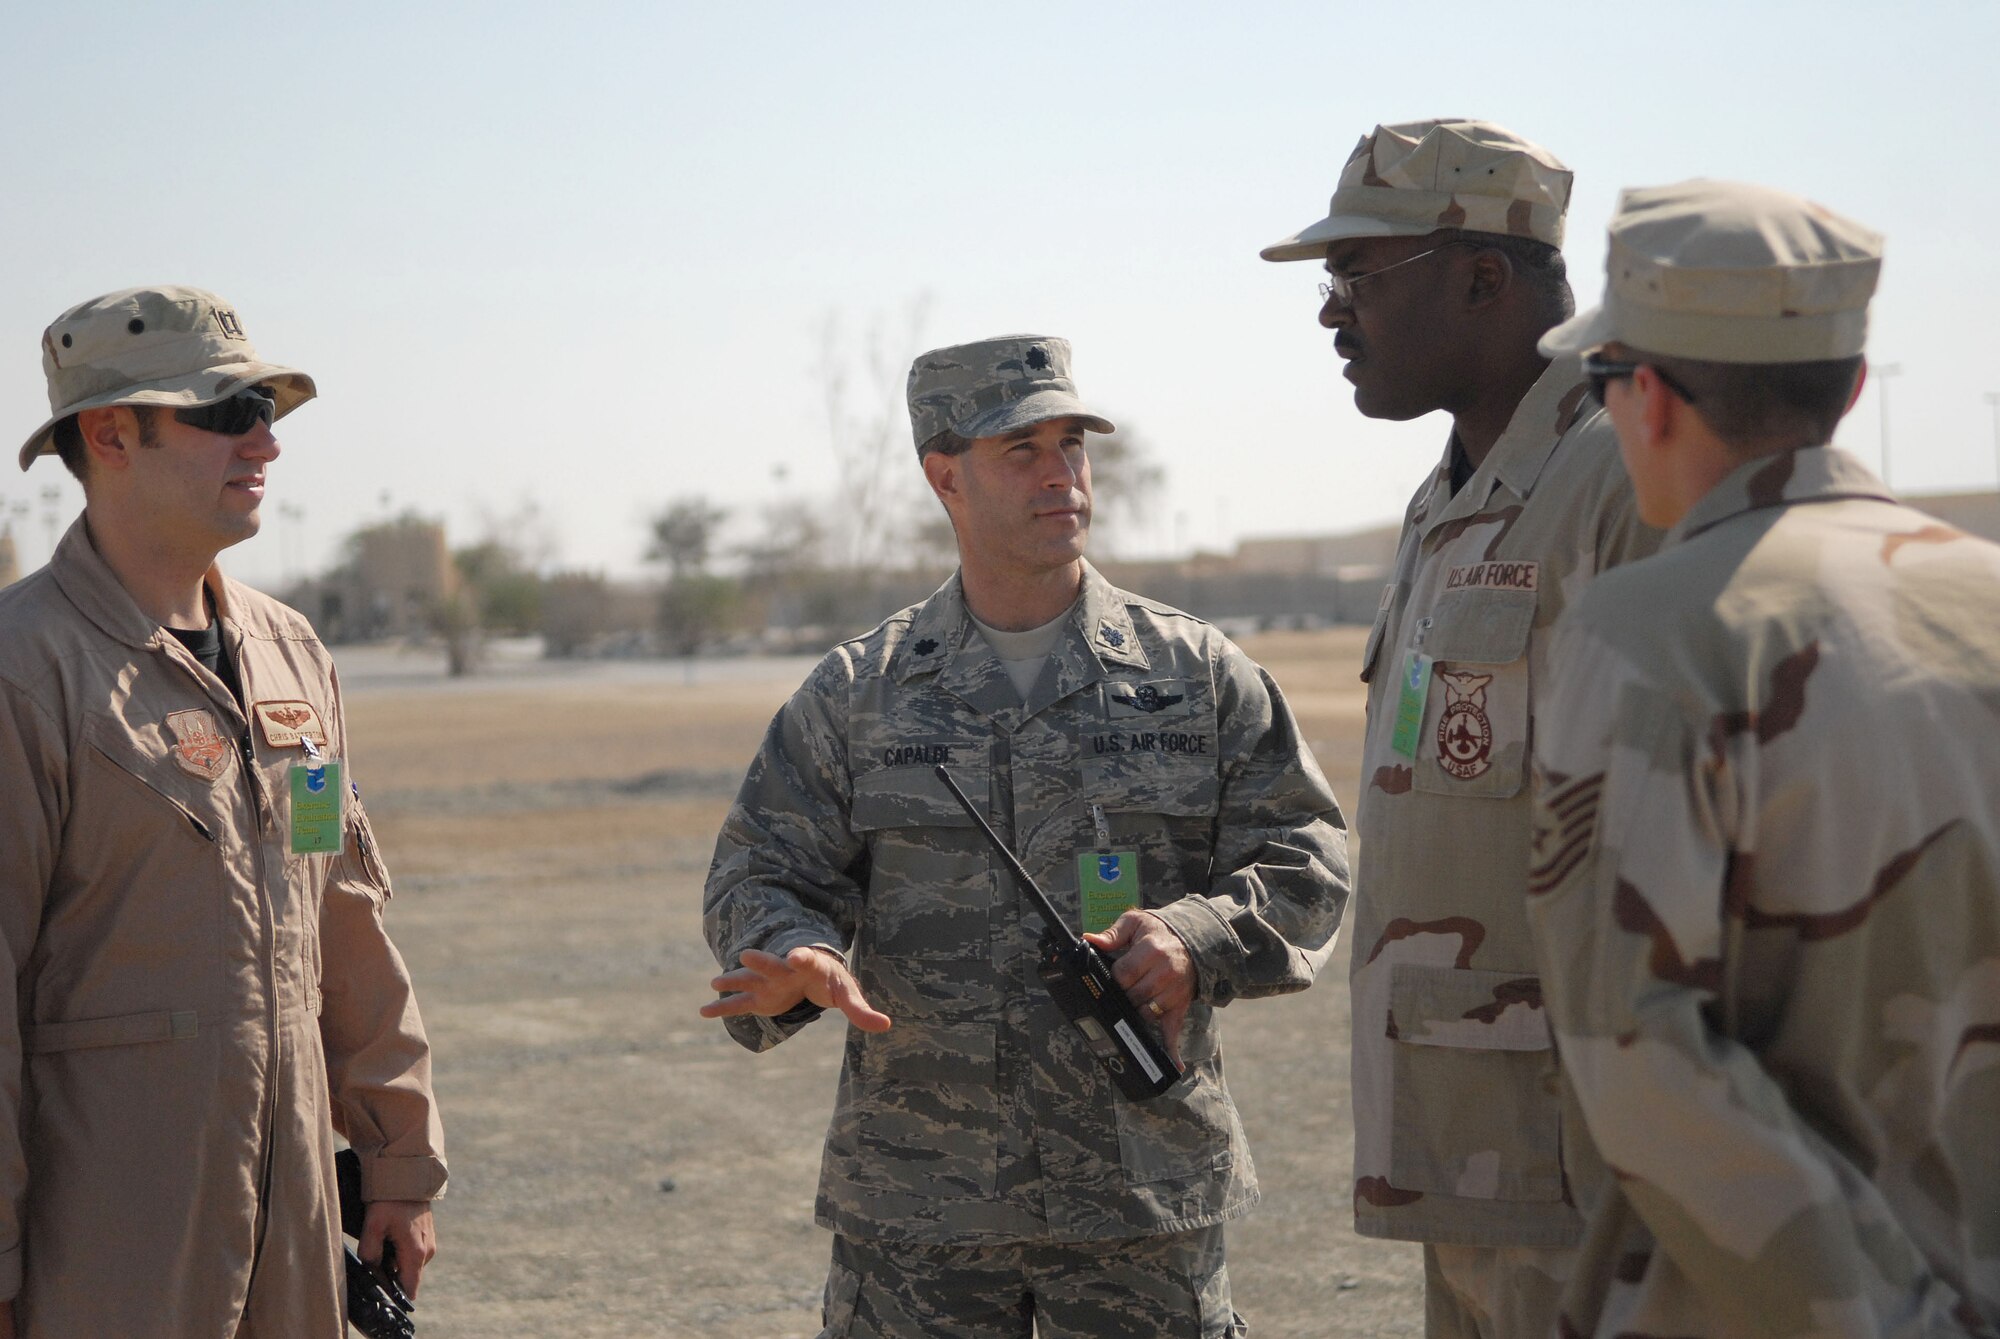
x=982, y=1174
x=1440, y=249
x=1767, y=883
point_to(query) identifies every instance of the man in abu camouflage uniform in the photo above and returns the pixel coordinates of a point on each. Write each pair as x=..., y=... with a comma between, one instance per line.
x=1767, y=883
x=982, y=1174
x=1443, y=270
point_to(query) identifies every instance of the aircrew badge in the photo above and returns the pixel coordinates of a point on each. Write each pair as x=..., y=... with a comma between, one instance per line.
x=1149, y=699
x=200, y=747
x=286, y=723
x=1464, y=735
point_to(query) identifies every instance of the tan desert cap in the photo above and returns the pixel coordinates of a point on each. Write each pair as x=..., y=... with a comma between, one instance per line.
x=1729, y=273
x=1414, y=177
x=993, y=386
x=168, y=345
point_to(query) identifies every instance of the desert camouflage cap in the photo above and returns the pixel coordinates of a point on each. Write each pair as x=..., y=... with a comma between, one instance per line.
x=1730, y=273
x=1414, y=177
x=153, y=346
x=994, y=386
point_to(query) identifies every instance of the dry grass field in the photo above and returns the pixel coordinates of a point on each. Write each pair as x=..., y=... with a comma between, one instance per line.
x=619, y=1167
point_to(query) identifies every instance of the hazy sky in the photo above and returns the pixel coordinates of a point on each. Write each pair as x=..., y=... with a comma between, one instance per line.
x=583, y=256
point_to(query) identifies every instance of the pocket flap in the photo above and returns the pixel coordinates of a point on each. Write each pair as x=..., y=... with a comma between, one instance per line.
x=121, y=1030
x=1466, y=1008
x=1487, y=628
x=913, y=797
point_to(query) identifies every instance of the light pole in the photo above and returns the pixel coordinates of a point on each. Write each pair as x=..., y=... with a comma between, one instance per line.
x=50, y=517
x=1883, y=371
x=1993, y=398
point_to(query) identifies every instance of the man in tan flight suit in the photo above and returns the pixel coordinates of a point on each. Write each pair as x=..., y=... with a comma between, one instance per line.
x=190, y=896
x=1767, y=884
x=1442, y=271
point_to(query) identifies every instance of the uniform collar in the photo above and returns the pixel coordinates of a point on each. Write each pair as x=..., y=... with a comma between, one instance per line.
x=88, y=582
x=1556, y=403
x=943, y=641
x=1814, y=474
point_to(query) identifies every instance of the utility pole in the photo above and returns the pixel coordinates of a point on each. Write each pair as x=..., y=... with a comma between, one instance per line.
x=1993, y=398
x=1882, y=372
x=50, y=497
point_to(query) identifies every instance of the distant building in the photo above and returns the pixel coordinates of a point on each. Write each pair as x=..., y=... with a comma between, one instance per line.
x=398, y=581
x=1319, y=555
x=1974, y=513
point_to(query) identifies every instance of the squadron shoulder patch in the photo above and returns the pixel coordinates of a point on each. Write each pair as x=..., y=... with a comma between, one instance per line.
x=200, y=747
x=286, y=723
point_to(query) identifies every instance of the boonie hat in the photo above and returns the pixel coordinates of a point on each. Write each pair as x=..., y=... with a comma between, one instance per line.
x=994, y=386
x=1414, y=177
x=169, y=345
x=1729, y=273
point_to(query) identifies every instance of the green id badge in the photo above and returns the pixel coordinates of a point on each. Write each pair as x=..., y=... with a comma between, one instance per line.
x=1109, y=884
x=1415, y=687
x=317, y=807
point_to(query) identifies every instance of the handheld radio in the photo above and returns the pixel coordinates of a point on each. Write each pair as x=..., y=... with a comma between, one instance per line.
x=1079, y=978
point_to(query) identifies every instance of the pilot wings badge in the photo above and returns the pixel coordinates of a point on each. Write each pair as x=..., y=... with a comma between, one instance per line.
x=1148, y=699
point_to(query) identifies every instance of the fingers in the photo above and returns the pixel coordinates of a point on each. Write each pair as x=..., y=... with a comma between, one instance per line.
x=848, y=999
x=416, y=1246
x=408, y=1226
x=373, y=1228
x=832, y=986
x=1122, y=932
x=763, y=984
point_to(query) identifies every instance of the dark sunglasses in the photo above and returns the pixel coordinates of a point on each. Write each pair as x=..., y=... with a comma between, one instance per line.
x=232, y=417
x=1603, y=371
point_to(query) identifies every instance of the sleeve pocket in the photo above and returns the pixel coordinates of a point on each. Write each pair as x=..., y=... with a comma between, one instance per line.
x=1476, y=1110
x=119, y=1030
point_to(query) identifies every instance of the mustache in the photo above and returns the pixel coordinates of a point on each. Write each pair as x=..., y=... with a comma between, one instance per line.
x=1346, y=344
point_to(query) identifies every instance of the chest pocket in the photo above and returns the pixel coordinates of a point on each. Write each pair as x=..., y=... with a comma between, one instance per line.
x=930, y=888
x=1158, y=780
x=1162, y=763
x=1476, y=720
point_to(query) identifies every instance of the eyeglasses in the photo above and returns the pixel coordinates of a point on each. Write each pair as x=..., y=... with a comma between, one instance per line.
x=1603, y=371
x=232, y=417
x=1341, y=286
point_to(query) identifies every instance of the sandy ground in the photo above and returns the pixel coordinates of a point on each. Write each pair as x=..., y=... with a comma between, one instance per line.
x=619, y=1167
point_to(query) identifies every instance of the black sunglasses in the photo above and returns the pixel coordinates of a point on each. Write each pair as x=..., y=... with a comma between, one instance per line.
x=232, y=417
x=1603, y=371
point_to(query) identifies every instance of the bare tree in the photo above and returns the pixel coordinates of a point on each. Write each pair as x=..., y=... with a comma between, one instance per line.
x=862, y=384
x=1125, y=484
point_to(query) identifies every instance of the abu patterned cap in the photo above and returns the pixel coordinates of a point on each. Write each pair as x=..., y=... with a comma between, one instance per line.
x=1414, y=177
x=994, y=386
x=153, y=346
x=1728, y=273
